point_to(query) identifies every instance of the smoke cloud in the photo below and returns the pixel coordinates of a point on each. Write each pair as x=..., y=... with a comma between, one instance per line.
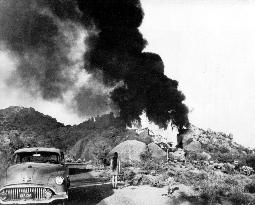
x=91, y=51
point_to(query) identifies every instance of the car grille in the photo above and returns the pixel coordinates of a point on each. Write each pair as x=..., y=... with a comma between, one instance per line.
x=14, y=193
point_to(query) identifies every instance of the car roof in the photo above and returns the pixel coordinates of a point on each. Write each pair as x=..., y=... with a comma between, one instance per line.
x=38, y=149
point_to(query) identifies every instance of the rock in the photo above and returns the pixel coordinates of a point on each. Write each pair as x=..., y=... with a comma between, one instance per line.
x=156, y=151
x=130, y=151
x=194, y=146
x=145, y=136
x=177, y=155
x=206, y=156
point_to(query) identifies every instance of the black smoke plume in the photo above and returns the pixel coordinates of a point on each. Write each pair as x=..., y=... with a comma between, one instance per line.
x=35, y=30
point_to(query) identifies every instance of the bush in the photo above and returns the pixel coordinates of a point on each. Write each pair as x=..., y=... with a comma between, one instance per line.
x=128, y=175
x=146, y=155
x=196, y=156
x=225, y=157
x=191, y=178
x=216, y=189
x=150, y=165
x=157, y=182
x=250, y=188
x=250, y=161
x=239, y=197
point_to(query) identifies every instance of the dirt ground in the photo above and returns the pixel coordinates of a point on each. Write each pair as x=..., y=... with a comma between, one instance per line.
x=87, y=189
x=142, y=195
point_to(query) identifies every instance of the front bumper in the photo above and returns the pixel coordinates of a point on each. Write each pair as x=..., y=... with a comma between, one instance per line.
x=62, y=197
x=58, y=196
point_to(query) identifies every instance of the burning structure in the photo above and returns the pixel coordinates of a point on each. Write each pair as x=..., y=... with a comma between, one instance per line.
x=91, y=53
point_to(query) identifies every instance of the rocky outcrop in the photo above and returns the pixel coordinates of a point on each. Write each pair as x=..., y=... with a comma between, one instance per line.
x=194, y=146
x=156, y=151
x=130, y=150
x=145, y=136
x=178, y=155
x=197, y=140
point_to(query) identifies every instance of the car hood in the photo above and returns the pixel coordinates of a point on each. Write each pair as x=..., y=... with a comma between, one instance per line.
x=32, y=173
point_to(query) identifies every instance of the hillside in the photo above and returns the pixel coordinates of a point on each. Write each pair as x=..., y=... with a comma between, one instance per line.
x=216, y=144
x=21, y=126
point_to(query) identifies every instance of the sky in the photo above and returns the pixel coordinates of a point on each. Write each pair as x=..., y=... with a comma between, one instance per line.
x=208, y=46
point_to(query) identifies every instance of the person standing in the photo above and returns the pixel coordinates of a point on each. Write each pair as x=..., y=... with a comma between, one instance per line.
x=115, y=167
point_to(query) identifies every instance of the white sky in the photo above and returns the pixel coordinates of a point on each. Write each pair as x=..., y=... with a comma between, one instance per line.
x=209, y=47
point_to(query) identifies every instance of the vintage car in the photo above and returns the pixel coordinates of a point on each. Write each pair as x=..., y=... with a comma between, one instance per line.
x=36, y=176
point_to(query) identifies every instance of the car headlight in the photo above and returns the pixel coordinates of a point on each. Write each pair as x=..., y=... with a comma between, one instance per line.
x=48, y=193
x=3, y=196
x=59, y=180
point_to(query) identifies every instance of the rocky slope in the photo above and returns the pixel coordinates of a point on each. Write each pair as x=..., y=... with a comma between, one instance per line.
x=91, y=139
x=95, y=137
x=197, y=140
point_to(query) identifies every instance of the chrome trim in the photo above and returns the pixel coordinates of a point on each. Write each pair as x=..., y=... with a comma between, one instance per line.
x=39, y=191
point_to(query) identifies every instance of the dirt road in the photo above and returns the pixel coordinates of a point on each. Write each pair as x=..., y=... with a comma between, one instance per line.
x=88, y=189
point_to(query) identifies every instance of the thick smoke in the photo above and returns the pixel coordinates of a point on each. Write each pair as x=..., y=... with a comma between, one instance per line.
x=42, y=33
x=47, y=39
x=117, y=51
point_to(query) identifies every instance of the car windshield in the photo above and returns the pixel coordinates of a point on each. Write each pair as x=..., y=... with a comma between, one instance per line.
x=38, y=157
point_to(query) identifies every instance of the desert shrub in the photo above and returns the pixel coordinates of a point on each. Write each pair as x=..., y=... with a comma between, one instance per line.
x=170, y=172
x=196, y=156
x=226, y=157
x=157, y=182
x=229, y=168
x=209, y=147
x=217, y=188
x=150, y=165
x=191, y=178
x=250, y=188
x=213, y=190
x=231, y=181
x=128, y=175
x=239, y=197
x=246, y=170
x=209, y=193
x=126, y=165
x=250, y=161
x=146, y=155
x=171, y=157
x=102, y=154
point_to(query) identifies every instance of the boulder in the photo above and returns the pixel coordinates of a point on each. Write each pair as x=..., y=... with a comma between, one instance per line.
x=145, y=136
x=130, y=151
x=156, y=151
x=206, y=156
x=178, y=155
x=194, y=146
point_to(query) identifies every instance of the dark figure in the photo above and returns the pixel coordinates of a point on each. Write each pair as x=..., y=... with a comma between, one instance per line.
x=115, y=167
